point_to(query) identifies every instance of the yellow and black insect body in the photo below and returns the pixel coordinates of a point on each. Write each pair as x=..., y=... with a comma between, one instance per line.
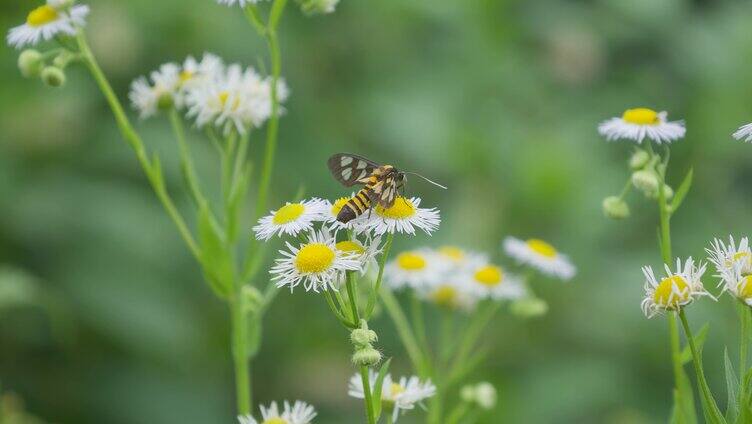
x=381, y=183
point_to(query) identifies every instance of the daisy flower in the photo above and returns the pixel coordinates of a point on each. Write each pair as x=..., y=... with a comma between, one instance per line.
x=403, y=217
x=636, y=124
x=540, y=255
x=461, y=258
x=317, y=263
x=744, y=133
x=357, y=225
x=676, y=290
x=451, y=293
x=291, y=219
x=47, y=21
x=395, y=396
x=416, y=268
x=491, y=281
x=734, y=266
x=297, y=413
x=146, y=96
x=365, y=253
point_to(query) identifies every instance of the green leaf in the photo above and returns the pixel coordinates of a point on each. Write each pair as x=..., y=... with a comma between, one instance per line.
x=215, y=257
x=732, y=385
x=686, y=354
x=685, y=401
x=681, y=193
x=378, y=386
x=237, y=196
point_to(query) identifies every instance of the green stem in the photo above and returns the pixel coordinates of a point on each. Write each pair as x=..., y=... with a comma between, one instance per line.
x=743, y=346
x=367, y=399
x=333, y=307
x=458, y=412
x=404, y=331
x=416, y=310
x=352, y=294
x=447, y=335
x=152, y=170
x=186, y=159
x=709, y=404
x=377, y=285
x=240, y=356
x=473, y=331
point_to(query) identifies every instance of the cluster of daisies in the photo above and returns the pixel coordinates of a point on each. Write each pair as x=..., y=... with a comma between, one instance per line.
x=297, y=413
x=319, y=262
x=679, y=287
x=458, y=279
x=228, y=97
x=397, y=396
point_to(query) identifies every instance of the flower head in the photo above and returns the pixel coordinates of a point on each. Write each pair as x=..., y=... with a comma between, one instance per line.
x=540, y=255
x=451, y=292
x=418, y=269
x=403, y=217
x=636, y=124
x=317, y=263
x=47, y=21
x=357, y=225
x=734, y=265
x=365, y=252
x=297, y=413
x=395, y=396
x=291, y=219
x=744, y=133
x=675, y=290
x=149, y=96
x=491, y=281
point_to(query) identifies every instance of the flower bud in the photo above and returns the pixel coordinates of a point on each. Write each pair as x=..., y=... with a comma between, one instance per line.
x=646, y=181
x=165, y=102
x=615, y=208
x=53, y=76
x=312, y=7
x=529, y=307
x=30, y=63
x=639, y=159
x=668, y=192
x=251, y=299
x=485, y=395
x=362, y=337
x=467, y=393
x=367, y=356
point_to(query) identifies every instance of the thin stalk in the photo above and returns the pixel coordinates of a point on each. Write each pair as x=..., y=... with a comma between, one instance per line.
x=404, y=331
x=473, y=331
x=353, y=295
x=186, y=159
x=333, y=307
x=710, y=406
x=458, y=413
x=134, y=140
x=416, y=310
x=743, y=346
x=377, y=285
x=240, y=357
x=367, y=398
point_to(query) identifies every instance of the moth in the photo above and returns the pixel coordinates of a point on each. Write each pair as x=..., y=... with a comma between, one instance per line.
x=381, y=183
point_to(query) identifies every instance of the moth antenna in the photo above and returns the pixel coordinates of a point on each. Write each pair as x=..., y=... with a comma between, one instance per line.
x=432, y=182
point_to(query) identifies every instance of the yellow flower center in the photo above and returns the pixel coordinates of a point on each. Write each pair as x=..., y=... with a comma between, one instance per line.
x=186, y=75
x=452, y=252
x=666, y=296
x=275, y=420
x=641, y=116
x=313, y=258
x=445, y=296
x=744, y=288
x=402, y=209
x=42, y=15
x=288, y=213
x=339, y=204
x=397, y=390
x=542, y=248
x=349, y=246
x=489, y=275
x=411, y=261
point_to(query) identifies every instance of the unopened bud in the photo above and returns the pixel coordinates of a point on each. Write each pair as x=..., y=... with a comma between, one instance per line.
x=639, y=159
x=615, y=208
x=646, y=181
x=53, y=76
x=251, y=299
x=529, y=308
x=30, y=63
x=363, y=337
x=367, y=356
x=485, y=395
x=668, y=192
x=165, y=101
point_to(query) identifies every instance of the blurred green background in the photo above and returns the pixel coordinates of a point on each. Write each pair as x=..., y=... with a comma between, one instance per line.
x=104, y=317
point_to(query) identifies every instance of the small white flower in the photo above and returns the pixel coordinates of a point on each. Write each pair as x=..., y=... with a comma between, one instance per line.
x=676, y=290
x=317, y=263
x=395, y=396
x=483, y=394
x=365, y=252
x=291, y=219
x=47, y=21
x=452, y=292
x=403, y=217
x=298, y=413
x=639, y=123
x=145, y=97
x=419, y=269
x=241, y=3
x=744, y=133
x=464, y=260
x=734, y=266
x=491, y=281
x=540, y=255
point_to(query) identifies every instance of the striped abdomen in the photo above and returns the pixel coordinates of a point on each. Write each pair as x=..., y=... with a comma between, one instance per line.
x=355, y=206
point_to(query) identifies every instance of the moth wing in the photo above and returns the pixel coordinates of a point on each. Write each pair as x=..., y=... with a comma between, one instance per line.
x=349, y=169
x=388, y=192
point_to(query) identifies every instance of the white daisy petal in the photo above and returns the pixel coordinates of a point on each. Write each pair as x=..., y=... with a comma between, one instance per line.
x=676, y=290
x=401, y=396
x=734, y=266
x=640, y=123
x=404, y=217
x=744, y=133
x=297, y=413
x=47, y=21
x=540, y=255
x=291, y=219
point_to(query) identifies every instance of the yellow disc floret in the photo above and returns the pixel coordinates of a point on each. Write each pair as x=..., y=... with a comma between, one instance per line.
x=187, y=75
x=641, y=116
x=339, y=204
x=288, y=213
x=542, y=248
x=411, y=261
x=397, y=390
x=744, y=288
x=489, y=275
x=275, y=420
x=452, y=252
x=314, y=258
x=349, y=246
x=42, y=15
x=402, y=209
x=445, y=295
x=671, y=292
